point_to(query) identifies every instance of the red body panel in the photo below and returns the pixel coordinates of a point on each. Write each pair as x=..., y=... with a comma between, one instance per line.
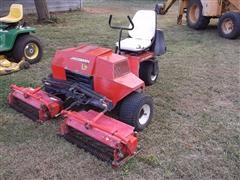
x=80, y=60
x=114, y=76
x=134, y=61
x=47, y=107
x=109, y=131
x=117, y=89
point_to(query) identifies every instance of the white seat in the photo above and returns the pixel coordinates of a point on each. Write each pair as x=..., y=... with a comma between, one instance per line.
x=143, y=33
x=133, y=44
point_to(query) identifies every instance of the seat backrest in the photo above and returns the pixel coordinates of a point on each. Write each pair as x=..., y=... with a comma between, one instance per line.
x=16, y=11
x=144, y=25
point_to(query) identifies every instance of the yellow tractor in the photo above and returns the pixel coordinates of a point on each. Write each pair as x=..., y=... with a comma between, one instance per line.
x=199, y=13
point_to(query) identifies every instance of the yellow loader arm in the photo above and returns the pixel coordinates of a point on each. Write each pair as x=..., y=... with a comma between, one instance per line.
x=163, y=8
x=166, y=6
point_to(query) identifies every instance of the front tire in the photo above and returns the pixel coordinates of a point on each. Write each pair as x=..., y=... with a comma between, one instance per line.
x=229, y=25
x=195, y=18
x=137, y=110
x=28, y=47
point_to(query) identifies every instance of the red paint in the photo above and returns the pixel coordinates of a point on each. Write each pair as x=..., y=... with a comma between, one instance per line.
x=114, y=76
x=101, y=63
x=118, y=135
x=48, y=107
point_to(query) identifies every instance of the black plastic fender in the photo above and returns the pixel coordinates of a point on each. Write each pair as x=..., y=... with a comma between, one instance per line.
x=159, y=46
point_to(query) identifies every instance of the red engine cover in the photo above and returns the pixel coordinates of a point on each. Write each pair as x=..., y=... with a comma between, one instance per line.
x=111, y=72
x=80, y=60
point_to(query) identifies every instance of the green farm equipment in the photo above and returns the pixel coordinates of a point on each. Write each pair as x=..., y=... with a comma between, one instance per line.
x=17, y=45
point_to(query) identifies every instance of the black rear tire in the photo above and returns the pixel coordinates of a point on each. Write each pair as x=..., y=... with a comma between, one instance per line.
x=28, y=47
x=147, y=72
x=137, y=110
x=195, y=18
x=229, y=25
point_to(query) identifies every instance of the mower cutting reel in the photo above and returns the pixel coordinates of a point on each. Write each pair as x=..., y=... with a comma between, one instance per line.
x=34, y=103
x=108, y=139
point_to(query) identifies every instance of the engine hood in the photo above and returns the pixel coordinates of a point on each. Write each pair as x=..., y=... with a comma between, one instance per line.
x=80, y=60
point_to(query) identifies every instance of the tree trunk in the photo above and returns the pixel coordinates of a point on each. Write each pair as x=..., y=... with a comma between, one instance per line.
x=42, y=10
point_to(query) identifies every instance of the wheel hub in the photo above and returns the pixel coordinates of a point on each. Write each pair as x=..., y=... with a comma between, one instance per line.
x=153, y=77
x=31, y=51
x=144, y=114
x=227, y=26
x=194, y=13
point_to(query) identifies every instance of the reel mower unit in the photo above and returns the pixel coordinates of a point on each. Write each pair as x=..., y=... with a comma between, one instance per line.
x=88, y=82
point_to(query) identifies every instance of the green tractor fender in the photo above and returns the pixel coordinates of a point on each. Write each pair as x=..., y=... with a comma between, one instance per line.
x=8, y=37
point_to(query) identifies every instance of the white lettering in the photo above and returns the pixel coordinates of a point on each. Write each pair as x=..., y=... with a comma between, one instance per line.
x=80, y=60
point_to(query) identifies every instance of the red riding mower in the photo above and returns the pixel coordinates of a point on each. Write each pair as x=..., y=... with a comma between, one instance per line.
x=89, y=81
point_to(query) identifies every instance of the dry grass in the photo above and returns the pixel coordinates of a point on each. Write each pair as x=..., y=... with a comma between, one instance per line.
x=195, y=133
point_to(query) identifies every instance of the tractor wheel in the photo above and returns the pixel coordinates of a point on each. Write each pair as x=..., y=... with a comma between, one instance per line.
x=229, y=25
x=28, y=47
x=148, y=72
x=195, y=18
x=137, y=110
